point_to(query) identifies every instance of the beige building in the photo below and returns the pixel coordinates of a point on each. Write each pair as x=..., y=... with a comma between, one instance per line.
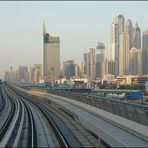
x=109, y=67
x=37, y=77
x=51, y=56
x=116, y=29
x=35, y=73
x=132, y=79
x=124, y=54
x=135, y=61
x=145, y=52
x=90, y=64
x=23, y=74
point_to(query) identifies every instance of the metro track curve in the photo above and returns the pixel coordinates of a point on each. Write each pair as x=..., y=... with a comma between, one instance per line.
x=67, y=135
x=77, y=116
x=12, y=128
x=60, y=130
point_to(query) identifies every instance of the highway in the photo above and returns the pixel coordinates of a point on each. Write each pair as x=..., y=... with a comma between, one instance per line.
x=33, y=121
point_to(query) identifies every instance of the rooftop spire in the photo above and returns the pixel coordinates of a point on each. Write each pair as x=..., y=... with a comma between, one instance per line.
x=44, y=28
x=136, y=25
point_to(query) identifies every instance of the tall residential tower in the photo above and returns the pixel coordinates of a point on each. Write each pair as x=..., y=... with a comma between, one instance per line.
x=124, y=54
x=129, y=30
x=136, y=36
x=116, y=29
x=145, y=52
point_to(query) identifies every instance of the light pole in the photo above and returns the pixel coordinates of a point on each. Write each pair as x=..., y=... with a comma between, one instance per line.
x=52, y=72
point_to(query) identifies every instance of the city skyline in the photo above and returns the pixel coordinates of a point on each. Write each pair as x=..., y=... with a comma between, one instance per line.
x=76, y=37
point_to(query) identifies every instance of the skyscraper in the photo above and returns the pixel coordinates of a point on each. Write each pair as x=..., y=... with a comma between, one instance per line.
x=135, y=61
x=11, y=74
x=100, y=52
x=124, y=54
x=37, y=75
x=145, y=52
x=136, y=36
x=114, y=40
x=120, y=22
x=117, y=27
x=99, y=64
x=90, y=64
x=109, y=67
x=23, y=74
x=86, y=57
x=69, y=68
x=129, y=30
x=51, y=55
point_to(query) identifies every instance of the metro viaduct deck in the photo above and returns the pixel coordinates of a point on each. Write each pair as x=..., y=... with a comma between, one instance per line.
x=116, y=131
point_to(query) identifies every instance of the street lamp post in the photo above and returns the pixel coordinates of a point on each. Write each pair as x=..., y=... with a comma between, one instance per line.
x=52, y=72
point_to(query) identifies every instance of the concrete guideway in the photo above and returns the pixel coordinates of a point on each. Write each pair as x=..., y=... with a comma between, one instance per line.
x=116, y=131
x=43, y=132
x=131, y=126
x=41, y=111
x=113, y=129
x=15, y=131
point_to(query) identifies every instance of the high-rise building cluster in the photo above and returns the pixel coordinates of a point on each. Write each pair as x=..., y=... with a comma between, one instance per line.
x=126, y=49
x=128, y=57
x=25, y=74
x=69, y=69
x=93, y=62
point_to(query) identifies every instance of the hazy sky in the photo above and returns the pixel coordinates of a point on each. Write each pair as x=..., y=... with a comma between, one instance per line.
x=80, y=26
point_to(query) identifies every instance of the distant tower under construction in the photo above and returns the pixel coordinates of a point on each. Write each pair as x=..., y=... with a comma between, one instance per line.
x=51, y=55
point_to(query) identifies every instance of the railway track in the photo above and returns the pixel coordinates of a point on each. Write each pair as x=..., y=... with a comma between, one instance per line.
x=12, y=128
x=67, y=131
x=2, y=100
x=86, y=138
x=38, y=114
x=66, y=113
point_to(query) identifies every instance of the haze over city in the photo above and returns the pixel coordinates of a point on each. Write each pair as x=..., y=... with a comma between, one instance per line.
x=80, y=26
x=74, y=74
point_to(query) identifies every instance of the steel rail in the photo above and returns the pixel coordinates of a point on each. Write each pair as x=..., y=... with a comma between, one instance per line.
x=136, y=135
x=3, y=101
x=32, y=142
x=11, y=128
x=32, y=139
x=15, y=144
x=61, y=139
x=56, y=130
x=8, y=121
x=7, y=103
x=53, y=119
x=13, y=134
